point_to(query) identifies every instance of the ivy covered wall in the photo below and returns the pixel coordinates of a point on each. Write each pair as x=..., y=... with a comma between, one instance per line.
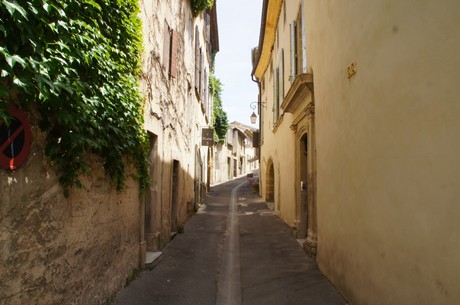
x=76, y=64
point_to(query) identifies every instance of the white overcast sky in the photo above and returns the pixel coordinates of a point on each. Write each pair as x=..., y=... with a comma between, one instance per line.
x=239, y=27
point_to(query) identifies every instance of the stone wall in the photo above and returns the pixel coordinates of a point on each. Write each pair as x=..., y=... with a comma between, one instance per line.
x=174, y=116
x=57, y=250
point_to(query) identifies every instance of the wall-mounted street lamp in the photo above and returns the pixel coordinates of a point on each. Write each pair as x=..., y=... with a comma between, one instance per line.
x=253, y=116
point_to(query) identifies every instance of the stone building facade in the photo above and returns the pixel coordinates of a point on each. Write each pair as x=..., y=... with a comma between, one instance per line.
x=84, y=248
x=359, y=128
x=57, y=250
x=178, y=55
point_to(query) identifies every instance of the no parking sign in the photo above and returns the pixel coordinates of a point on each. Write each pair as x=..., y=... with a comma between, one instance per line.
x=15, y=140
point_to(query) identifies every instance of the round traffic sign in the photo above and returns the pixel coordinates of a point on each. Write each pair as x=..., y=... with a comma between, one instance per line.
x=15, y=140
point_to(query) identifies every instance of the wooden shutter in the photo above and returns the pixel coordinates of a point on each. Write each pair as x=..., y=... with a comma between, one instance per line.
x=281, y=81
x=299, y=42
x=166, y=47
x=304, y=41
x=275, y=94
x=197, y=59
x=173, y=55
x=201, y=73
x=293, y=63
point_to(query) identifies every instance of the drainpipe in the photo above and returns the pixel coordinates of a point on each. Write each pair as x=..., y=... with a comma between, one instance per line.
x=259, y=105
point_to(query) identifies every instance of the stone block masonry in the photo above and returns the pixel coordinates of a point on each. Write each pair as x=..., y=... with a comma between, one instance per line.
x=57, y=250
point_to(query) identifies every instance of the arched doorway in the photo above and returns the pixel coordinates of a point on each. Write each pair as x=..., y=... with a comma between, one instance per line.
x=270, y=184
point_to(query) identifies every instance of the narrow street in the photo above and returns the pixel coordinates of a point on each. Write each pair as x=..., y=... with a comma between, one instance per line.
x=233, y=251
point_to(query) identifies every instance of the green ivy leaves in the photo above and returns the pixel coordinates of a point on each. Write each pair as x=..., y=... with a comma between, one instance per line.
x=13, y=7
x=219, y=116
x=77, y=63
x=200, y=5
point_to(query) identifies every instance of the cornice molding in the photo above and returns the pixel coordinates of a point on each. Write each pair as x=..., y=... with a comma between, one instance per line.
x=308, y=111
x=298, y=92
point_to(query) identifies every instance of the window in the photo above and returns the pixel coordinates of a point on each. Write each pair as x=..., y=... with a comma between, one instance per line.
x=294, y=57
x=197, y=60
x=304, y=39
x=169, y=50
x=275, y=95
x=298, y=47
x=281, y=79
x=299, y=37
x=278, y=88
x=201, y=74
x=207, y=35
x=204, y=92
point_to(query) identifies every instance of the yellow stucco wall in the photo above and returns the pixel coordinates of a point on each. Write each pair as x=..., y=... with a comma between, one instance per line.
x=387, y=148
x=278, y=138
x=387, y=129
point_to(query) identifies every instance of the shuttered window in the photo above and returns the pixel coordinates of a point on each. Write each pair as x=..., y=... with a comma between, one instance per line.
x=293, y=53
x=173, y=54
x=275, y=95
x=170, y=50
x=298, y=52
x=197, y=59
x=201, y=73
x=299, y=35
x=281, y=82
x=304, y=40
x=166, y=47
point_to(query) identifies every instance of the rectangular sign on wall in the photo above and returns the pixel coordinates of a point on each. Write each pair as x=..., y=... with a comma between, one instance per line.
x=207, y=137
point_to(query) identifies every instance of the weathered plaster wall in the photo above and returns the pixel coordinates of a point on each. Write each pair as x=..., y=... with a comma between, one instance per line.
x=173, y=113
x=80, y=250
x=387, y=142
x=221, y=167
x=54, y=250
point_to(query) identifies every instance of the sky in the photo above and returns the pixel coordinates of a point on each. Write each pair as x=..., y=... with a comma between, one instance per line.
x=239, y=27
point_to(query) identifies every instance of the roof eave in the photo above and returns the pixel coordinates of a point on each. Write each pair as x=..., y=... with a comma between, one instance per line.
x=270, y=15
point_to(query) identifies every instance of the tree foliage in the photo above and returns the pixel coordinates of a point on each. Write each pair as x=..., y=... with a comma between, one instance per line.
x=76, y=63
x=200, y=5
x=219, y=118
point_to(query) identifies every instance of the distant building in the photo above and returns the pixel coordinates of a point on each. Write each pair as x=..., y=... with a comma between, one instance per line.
x=359, y=141
x=237, y=155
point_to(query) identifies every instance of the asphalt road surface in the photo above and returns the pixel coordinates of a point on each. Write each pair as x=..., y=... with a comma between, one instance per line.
x=234, y=251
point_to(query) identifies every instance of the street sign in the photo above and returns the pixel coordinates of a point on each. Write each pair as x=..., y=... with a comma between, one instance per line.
x=207, y=137
x=15, y=140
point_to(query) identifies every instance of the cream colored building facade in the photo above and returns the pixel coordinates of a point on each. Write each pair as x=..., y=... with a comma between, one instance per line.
x=286, y=109
x=371, y=125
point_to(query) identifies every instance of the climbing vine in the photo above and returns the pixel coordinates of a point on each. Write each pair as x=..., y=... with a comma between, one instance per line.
x=76, y=63
x=219, y=116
